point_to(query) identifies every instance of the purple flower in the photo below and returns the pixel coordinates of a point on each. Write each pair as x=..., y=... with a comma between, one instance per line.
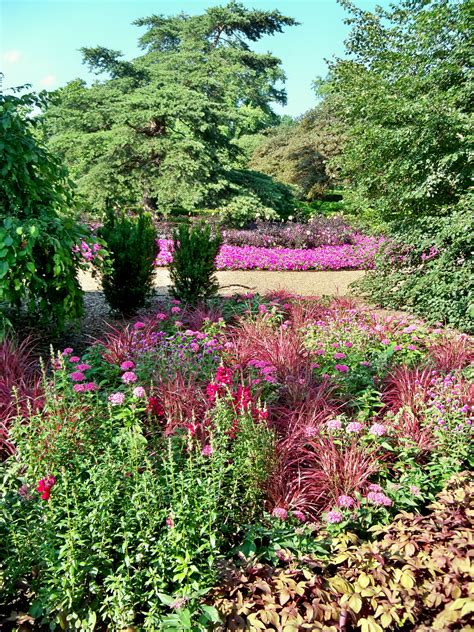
x=373, y=487
x=354, y=426
x=139, y=392
x=116, y=399
x=280, y=512
x=129, y=377
x=339, y=356
x=379, y=498
x=299, y=515
x=334, y=424
x=207, y=450
x=342, y=368
x=91, y=386
x=83, y=367
x=128, y=364
x=77, y=376
x=345, y=501
x=334, y=517
x=377, y=429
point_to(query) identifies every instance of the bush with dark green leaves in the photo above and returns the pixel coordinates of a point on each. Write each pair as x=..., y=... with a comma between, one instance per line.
x=131, y=242
x=38, y=267
x=429, y=269
x=193, y=267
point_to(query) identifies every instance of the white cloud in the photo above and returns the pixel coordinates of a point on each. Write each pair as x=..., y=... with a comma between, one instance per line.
x=12, y=56
x=48, y=81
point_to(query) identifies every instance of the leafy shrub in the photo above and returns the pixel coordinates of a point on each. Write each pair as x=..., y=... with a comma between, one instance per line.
x=434, y=277
x=120, y=516
x=128, y=279
x=417, y=574
x=243, y=209
x=193, y=266
x=38, y=267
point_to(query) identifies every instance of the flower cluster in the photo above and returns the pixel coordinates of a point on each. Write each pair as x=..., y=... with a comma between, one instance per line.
x=44, y=487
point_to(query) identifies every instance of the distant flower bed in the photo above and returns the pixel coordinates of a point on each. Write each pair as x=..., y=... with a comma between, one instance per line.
x=357, y=255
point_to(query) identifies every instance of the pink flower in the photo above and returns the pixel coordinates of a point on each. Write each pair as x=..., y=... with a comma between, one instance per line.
x=310, y=432
x=397, y=347
x=139, y=391
x=299, y=515
x=339, y=356
x=161, y=316
x=348, y=344
x=194, y=347
x=67, y=351
x=207, y=450
x=178, y=323
x=345, y=501
x=128, y=377
x=79, y=388
x=415, y=490
x=385, y=341
x=320, y=352
x=280, y=512
x=175, y=310
x=379, y=498
x=128, y=364
x=82, y=367
x=373, y=487
x=334, y=424
x=342, y=368
x=74, y=359
x=116, y=399
x=377, y=429
x=223, y=376
x=77, y=376
x=411, y=347
x=91, y=386
x=262, y=308
x=354, y=426
x=169, y=521
x=139, y=325
x=334, y=517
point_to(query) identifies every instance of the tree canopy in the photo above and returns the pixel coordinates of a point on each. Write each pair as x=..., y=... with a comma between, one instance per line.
x=159, y=129
x=404, y=92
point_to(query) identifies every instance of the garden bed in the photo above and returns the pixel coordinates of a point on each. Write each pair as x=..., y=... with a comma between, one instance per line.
x=241, y=465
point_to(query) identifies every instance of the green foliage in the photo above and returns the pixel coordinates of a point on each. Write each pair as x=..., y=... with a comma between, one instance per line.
x=434, y=277
x=269, y=193
x=404, y=94
x=297, y=154
x=418, y=572
x=243, y=209
x=37, y=231
x=137, y=521
x=127, y=280
x=160, y=131
x=193, y=267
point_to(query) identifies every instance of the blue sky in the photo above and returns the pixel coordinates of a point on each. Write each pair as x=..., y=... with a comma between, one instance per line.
x=40, y=39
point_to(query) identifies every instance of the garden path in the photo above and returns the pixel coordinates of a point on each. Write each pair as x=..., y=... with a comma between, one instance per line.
x=305, y=283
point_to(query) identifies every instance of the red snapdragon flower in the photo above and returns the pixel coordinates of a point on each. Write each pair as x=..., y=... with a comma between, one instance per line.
x=154, y=407
x=44, y=486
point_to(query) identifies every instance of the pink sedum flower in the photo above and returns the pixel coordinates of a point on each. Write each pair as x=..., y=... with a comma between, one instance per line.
x=334, y=424
x=354, y=426
x=175, y=310
x=77, y=376
x=116, y=399
x=342, y=368
x=377, y=429
x=79, y=388
x=280, y=512
x=379, y=498
x=139, y=325
x=139, y=392
x=90, y=387
x=129, y=377
x=207, y=450
x=161, y=316
x=67, y=351
x=345, y=501
x=74, y=359
x=339, y=355
x=299, y=515
x=127, y=365
x=83, y=367
x=334, y=517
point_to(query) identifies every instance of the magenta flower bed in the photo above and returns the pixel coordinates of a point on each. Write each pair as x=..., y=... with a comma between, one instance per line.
x=360, y=255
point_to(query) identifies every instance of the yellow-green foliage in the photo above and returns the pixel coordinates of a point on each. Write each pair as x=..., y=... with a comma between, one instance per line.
x=418, y=574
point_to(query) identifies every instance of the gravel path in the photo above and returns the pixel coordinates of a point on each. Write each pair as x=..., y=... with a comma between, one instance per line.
x=309, y=283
